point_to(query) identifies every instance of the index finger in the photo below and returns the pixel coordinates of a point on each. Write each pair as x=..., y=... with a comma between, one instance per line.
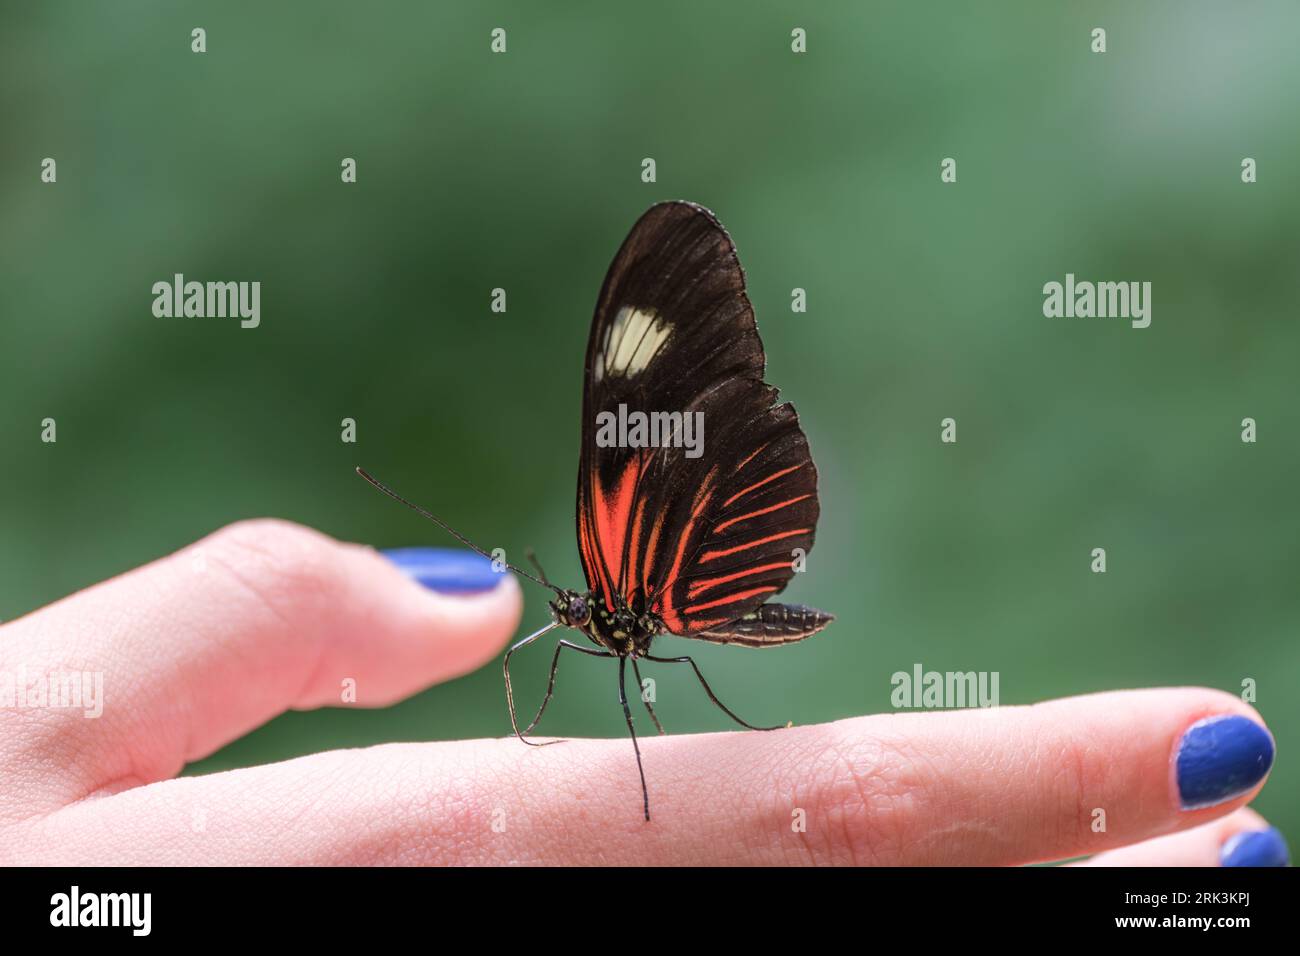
x=200, y=647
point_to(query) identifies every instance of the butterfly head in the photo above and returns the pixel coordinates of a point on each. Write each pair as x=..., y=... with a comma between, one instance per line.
x=572, y=609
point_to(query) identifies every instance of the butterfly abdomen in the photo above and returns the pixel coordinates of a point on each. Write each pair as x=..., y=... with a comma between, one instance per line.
x=770, y=625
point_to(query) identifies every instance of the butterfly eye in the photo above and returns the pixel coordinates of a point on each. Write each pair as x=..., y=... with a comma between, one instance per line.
x=579, y=612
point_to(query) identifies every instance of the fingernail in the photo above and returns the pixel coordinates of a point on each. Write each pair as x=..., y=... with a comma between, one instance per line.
x=1220, y=758
x=446, y=570
x=1255, y=848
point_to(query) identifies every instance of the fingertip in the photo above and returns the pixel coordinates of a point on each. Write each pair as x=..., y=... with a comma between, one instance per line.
x=1266, y=847
x=416, y=620
x=463, y=630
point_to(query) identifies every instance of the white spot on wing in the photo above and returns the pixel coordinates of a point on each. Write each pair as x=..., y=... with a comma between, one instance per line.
x=631, y=341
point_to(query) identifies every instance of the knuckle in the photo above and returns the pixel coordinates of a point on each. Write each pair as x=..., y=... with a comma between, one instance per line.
x=1057, y=785
x=1072, y=793
x=864, y=800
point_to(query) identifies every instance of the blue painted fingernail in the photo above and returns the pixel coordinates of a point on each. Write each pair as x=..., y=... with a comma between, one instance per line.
x=1256, y=848
x=446, y=570
x=1220, y=758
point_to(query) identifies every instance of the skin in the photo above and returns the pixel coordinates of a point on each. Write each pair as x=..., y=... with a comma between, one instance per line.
x=199, y=648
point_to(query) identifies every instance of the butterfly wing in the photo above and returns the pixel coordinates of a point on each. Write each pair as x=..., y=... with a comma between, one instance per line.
x=702, y=530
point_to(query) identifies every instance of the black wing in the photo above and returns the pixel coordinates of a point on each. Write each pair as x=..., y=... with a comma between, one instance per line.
x=699, y=537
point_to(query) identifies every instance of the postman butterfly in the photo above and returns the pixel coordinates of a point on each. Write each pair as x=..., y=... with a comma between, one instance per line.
x=690, y=541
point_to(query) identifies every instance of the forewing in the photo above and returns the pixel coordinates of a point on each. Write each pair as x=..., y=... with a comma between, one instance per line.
x=698, y=535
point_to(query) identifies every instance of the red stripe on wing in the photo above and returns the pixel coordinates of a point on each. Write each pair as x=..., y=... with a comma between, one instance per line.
x=635, y=551
x=751, y=456
x=613, y=511
x=729, y=599
x=712, y=555
x=651, y=551
x=760, y=484
x=698, y=586
x=761, y=511
x=664, y=603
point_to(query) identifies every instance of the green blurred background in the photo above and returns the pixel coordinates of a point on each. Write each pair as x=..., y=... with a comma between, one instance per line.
x=523, y=171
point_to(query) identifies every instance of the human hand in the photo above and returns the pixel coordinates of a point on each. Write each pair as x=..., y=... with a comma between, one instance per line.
x=201, y=647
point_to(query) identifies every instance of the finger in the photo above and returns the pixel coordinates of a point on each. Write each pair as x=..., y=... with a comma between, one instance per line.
x=1243, y=838
x=198, y=648
x=1005, y=785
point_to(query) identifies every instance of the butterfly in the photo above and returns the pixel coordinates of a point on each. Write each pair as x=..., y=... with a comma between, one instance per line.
x=694, y=512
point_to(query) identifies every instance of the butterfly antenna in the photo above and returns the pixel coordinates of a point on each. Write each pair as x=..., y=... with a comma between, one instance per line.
x=532, y=559
x=448, y=528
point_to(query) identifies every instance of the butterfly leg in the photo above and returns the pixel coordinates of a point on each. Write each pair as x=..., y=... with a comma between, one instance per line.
x=636, y=672
x=627, y=714
x=550, y=684
x=709, y=690
x=510, y=696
